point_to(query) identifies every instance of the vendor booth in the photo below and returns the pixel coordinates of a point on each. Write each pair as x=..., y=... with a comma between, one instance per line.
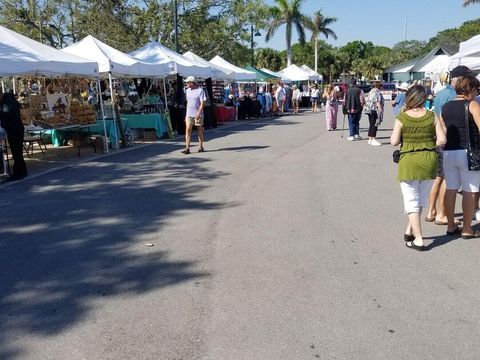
x=114, y=63
x=49, y=83
x=468, y=54
x=312, y=72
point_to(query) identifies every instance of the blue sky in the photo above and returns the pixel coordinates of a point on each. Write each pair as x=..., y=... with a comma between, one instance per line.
x=382, y=21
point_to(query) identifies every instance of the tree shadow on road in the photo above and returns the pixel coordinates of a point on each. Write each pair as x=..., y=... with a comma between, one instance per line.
x=78, y=234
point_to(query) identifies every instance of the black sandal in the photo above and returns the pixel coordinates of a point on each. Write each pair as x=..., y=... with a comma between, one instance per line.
x=414, y=246
x=186, y=151
x=456, y=231
x=408, y=238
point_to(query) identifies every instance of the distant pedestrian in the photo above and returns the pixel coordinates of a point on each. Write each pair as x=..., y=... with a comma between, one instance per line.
x=296, y=98
x=196, y=99
x=374, y=108
x=11, y=121
x=354, y=101
x=399, y=101
x=331, y=107
x=314, y=97
x=281, y=96
x=419, y=132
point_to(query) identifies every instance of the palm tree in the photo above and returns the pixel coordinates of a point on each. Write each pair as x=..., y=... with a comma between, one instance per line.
x=319, y=27
x=288, y=12
x=470, y=2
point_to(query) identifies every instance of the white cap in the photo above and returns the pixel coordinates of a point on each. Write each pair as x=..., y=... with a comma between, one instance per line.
x=191, y=79
x=403, y=86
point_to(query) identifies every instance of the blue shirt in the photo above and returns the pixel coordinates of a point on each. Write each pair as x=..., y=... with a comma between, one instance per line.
x=443, y=96
x=400, y=102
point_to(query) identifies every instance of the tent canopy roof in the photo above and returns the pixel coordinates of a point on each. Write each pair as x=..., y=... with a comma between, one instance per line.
x=20, y=55
x=217, y=71
x=312, y=72
x=295, y=73
x=262, y=75
x=112, y=60
x=154, y=52
x=468, y=54
x=282, y=78
x=239, y=73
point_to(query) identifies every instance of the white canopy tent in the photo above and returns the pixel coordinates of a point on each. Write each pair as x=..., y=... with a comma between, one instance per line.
x=217, y=71
x=312, y=72
x=237, y=72
x=111, y=60
x=20, y=55
x=295, y=73
x=468, y=54
x=155, y=53
x=283, y=78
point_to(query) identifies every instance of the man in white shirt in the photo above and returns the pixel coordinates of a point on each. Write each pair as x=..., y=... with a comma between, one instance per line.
x=280, y=95
x=195, y=103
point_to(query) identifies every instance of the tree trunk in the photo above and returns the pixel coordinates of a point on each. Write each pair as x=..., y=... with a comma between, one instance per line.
x=316, y=55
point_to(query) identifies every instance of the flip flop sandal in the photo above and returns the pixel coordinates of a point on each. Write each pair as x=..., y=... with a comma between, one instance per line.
x=475, y=235
x=456, y=231
x=456, y=222
x=412, y=245
x=427, y=219
x=409, y=238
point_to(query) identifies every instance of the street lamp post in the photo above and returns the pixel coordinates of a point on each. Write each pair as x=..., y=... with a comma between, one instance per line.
x=175, y=22
x=257, y=33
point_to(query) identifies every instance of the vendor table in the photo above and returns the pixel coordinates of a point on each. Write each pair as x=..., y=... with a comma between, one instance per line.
x=146, y=121
x=60, y=133
x=225, y=113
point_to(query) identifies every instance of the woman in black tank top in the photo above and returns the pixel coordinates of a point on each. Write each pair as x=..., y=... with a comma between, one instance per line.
x=455, y=155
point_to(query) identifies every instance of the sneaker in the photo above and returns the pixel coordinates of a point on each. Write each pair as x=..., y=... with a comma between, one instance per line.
x=374, y=142
x=358, y=137
x=369, y=141
x=186, y=151
x=350, y=138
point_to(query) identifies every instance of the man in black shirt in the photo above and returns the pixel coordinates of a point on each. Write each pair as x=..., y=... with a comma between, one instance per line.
x=353, y=103
x=12, y=123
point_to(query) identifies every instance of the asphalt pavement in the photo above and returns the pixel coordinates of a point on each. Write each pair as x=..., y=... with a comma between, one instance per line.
x=281, y=241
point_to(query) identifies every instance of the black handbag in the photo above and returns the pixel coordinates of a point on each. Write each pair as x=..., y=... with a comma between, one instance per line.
x=396, y=156
x=473, y=155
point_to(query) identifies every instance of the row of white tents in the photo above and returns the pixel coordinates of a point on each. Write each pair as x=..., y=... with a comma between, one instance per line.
x=22, y=56
x=468, y=54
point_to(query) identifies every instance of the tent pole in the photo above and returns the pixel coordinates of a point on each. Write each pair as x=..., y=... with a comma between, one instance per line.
x=115, y=145
x=3, y=87
x=99, y=92
x=14, y=85
x=165, y=93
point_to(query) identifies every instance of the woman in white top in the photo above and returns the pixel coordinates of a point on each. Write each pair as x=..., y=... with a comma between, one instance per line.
x=314, y=98
x=296, y=98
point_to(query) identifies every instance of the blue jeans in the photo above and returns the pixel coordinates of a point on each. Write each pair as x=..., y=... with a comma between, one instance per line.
x=354, y=123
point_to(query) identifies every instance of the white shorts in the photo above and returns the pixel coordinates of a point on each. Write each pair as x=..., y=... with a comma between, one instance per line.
x=415, y=194
x=456, y=171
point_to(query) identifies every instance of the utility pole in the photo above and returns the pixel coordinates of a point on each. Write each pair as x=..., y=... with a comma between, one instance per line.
x=175, y=21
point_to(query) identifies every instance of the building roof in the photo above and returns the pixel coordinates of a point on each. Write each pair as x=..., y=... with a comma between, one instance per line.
x=434, y=59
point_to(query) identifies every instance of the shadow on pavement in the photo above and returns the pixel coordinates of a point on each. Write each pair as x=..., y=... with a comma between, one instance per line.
x=72, y=236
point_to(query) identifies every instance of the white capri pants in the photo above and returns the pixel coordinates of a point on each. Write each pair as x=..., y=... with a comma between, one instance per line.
x=455, y=167
x=415, y=194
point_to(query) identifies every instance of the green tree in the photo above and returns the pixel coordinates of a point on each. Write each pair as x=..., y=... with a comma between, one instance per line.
x=319, y=26
x=470, y=2
x=287, y=12
x=269, y=58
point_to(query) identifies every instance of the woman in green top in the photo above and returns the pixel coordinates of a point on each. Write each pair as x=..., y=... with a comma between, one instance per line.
x=419, y=133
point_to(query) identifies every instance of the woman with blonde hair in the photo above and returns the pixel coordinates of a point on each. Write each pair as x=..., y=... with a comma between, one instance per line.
x=331, y=107
x=419, y=133
x=455, y=164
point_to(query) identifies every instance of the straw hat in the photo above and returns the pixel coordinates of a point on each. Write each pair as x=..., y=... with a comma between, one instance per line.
x=403, y=86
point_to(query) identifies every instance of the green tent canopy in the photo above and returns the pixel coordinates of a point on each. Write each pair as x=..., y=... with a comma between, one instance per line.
x=261, y=75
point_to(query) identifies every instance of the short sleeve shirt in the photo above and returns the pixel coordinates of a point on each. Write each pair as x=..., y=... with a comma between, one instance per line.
x=194, y=99
x=442, y=98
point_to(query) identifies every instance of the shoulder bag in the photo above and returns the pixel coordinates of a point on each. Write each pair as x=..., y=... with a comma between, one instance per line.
x=473, y=155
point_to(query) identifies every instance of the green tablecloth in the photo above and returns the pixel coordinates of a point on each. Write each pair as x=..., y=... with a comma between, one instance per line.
x=158, y=122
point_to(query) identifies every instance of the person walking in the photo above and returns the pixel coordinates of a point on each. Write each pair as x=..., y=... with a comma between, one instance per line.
x=314, y=97
x=331, y=107
x=436, y=212
x=399, y=101
x=196, y=99
x=374, y=108
x=455, y=163
x=419, y=132
x=11, y=121
x=296, y=98
x=280, y=95
x=354, y=101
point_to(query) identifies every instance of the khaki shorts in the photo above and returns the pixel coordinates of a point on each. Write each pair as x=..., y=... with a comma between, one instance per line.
x=194, y=121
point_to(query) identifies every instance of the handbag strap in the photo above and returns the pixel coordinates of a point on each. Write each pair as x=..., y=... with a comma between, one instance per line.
x=467, y=127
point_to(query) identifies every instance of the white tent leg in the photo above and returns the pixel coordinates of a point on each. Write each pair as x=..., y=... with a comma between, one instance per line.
x=100, y=99
x=14, y=86
x=115, y=145
x=3, y=87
